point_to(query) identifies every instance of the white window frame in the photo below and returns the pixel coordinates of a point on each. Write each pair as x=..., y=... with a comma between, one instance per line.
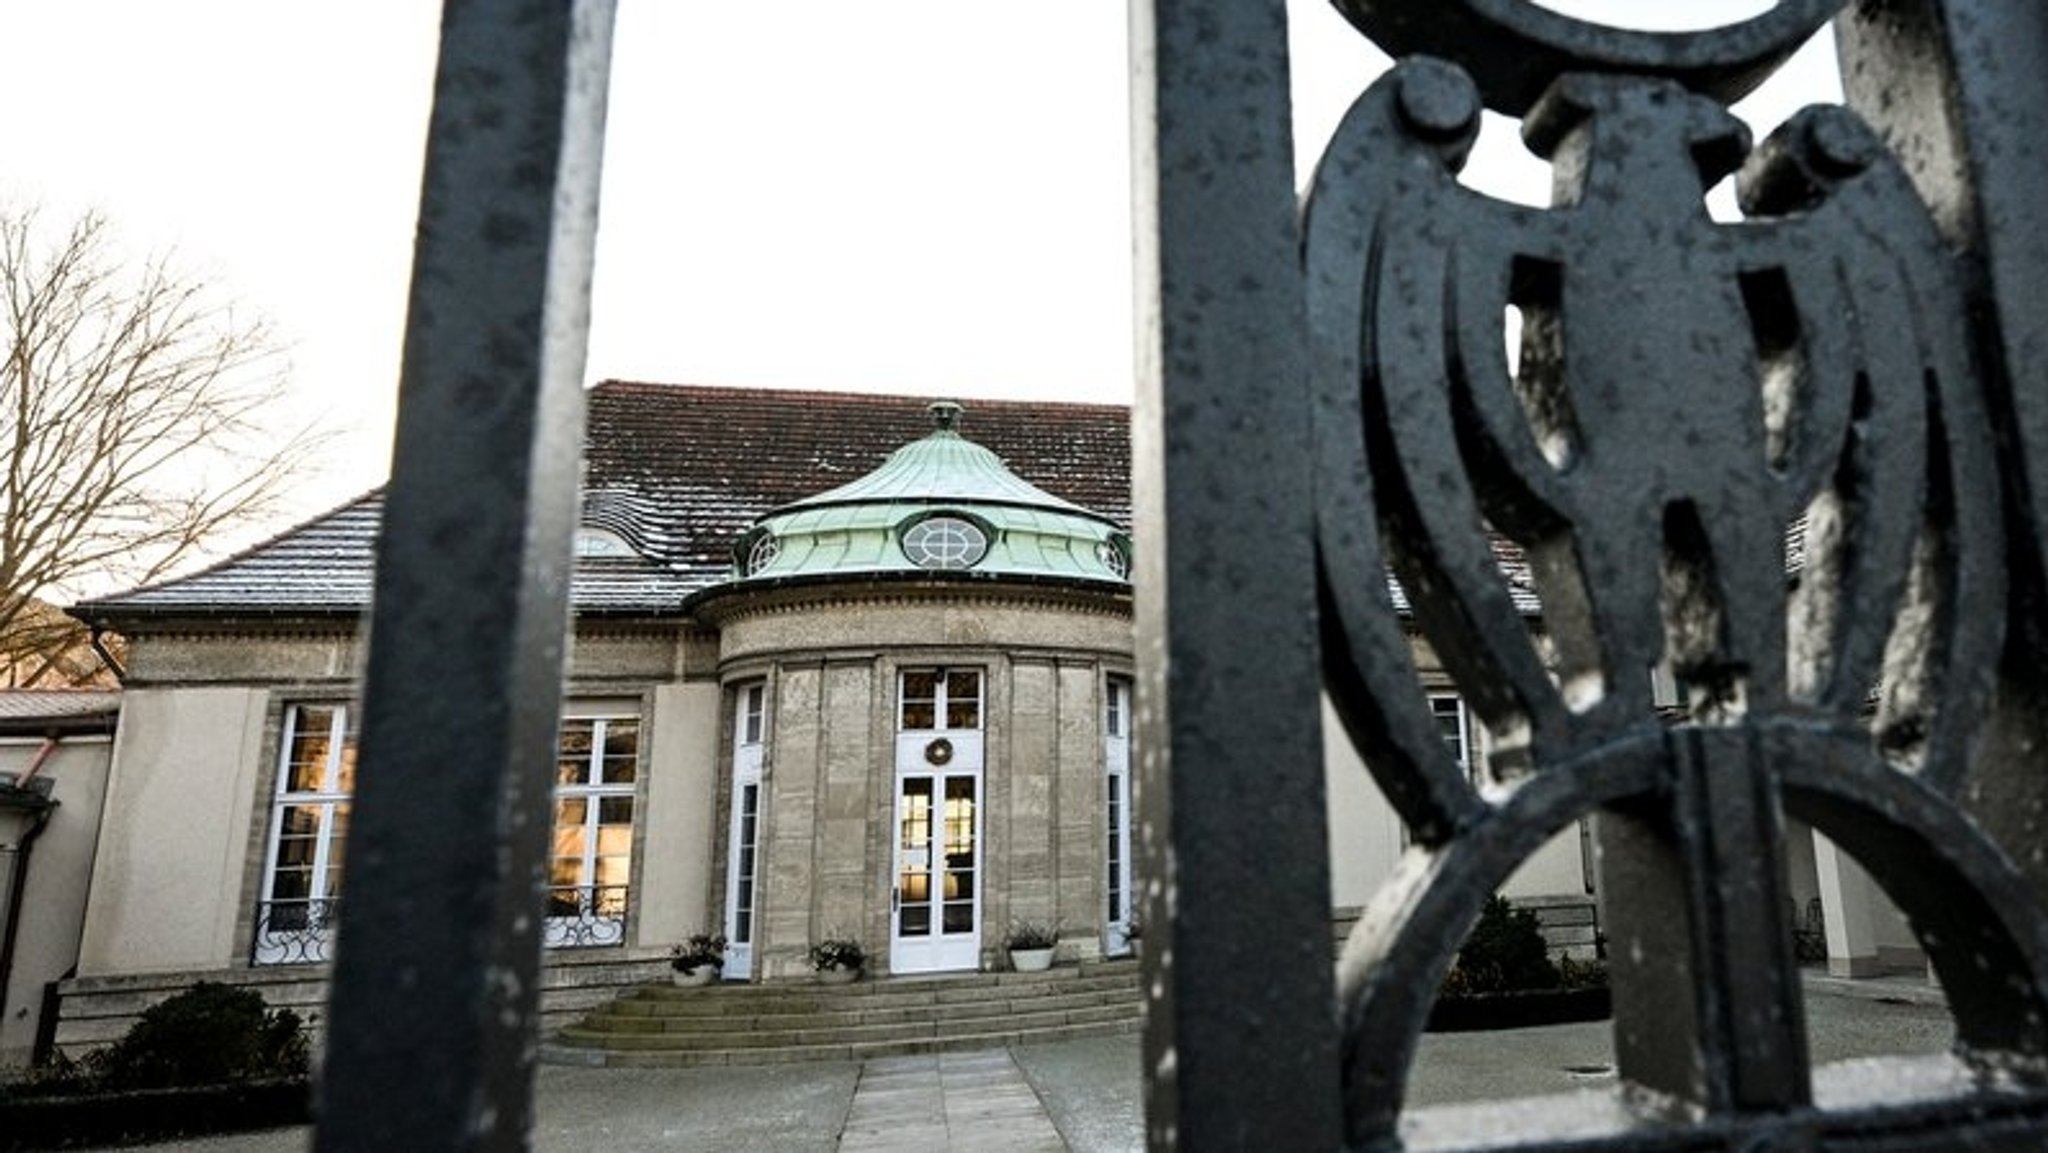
x=599, y=910
x=1120, y=873
x=284, y=937
x=1451, y=706
x=743, y=839
x=300, y=929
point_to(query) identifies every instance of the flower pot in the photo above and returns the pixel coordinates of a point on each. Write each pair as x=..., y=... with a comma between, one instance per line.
x=691, y=978
x=838, y=975
x=1031, y=960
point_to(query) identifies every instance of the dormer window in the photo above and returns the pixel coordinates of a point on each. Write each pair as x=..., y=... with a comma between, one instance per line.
x=945, y=542
x=597, y=542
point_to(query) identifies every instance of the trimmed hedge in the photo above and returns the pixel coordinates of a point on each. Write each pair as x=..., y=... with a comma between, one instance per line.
x=210, y=1059
x=151, y=1114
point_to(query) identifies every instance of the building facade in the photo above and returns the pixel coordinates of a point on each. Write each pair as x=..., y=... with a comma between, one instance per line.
x=842, y=666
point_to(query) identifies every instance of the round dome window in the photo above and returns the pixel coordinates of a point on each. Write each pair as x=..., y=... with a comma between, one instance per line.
x=945, y=542
x=766, y=548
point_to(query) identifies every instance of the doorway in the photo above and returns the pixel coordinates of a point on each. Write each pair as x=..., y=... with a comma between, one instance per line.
x=935, y=896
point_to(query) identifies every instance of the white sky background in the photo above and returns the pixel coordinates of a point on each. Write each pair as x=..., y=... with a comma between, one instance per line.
x=921, y=196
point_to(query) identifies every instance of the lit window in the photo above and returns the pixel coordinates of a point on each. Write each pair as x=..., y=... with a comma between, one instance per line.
x=945, y=542
x=299, y=905
x=941, y=699
x=301, y=896
x=591, y=862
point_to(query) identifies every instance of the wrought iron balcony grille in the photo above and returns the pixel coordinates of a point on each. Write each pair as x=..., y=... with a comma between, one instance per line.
x=1919, y=434
x=581, y=917
x=303, y=932
x=296, y=932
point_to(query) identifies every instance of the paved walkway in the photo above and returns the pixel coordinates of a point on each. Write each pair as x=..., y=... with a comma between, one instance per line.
x=1083, y=1095
x=947, y=1101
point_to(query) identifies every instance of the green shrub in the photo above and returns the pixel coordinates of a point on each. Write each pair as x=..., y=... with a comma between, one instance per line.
x=1505, y=951
x=209, y=1034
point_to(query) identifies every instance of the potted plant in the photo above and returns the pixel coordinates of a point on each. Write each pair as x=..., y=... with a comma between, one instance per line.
x=1031, y=945
x=699, y=960
x=837, y=960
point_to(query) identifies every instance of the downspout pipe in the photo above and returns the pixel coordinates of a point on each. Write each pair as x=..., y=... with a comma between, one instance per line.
x=99, y=647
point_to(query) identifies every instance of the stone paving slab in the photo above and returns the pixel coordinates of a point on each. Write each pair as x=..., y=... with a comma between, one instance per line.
x=943, y=1102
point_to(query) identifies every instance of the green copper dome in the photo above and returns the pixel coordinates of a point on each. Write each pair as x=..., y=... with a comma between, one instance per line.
x=940, y=504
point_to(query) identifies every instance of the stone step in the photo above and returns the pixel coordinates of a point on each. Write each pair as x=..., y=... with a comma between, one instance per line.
x=738, y=999
x=661, y=1003
x=621, y=1018
x=801, y=1033
x=662, y=1024
x=556, y=1053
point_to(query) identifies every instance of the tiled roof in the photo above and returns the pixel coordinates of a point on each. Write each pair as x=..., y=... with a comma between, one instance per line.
x=679, y=472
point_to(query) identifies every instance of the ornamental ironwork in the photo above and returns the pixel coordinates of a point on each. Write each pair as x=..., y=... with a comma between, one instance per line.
x=297, y=932
x=1690, y=396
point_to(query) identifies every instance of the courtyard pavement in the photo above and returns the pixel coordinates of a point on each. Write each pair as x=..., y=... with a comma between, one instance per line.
x=1079, y=1095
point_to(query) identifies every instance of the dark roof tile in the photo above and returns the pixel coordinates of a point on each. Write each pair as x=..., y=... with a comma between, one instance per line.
x=679, y=472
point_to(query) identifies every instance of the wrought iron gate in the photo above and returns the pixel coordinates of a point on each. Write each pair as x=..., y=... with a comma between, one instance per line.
x=1859, y=361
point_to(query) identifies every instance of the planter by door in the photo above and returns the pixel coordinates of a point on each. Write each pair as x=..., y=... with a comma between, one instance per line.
x=1031, y=960
x=836, y=975
x=691, y=978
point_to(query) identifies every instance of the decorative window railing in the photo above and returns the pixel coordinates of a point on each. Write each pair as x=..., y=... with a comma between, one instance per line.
x=295, y=932
x=303, y=932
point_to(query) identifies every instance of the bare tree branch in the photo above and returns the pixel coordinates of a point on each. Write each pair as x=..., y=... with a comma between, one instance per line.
x=137, y=413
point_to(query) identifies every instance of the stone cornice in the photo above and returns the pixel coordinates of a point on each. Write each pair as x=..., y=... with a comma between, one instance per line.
x=724, y=610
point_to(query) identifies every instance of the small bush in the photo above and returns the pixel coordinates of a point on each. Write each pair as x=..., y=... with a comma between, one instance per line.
x=1505, y=951
x=210, y=1034
x=1576, y=974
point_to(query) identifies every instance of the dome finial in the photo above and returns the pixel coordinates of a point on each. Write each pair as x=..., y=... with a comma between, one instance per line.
x=945, y=414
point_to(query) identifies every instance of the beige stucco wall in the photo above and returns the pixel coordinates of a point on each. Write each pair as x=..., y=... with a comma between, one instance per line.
x=1366, y=838
x=677, y=836
x=169, y=874
x=59, y=869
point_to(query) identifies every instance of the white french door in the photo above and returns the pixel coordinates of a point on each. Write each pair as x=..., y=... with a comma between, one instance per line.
x=935, y=895
x=743, y=865
x=1116, y=760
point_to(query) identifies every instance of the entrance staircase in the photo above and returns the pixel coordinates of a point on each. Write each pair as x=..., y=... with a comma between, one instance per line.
x=742, y=1024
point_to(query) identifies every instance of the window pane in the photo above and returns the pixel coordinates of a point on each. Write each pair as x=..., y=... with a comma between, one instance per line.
x=963, y=699
x=565, y=873
x=347, y=783
x=1450, y=719
x=920, y=699
x=306, y=760
x=751, y=710
x=615, y=841
x=573, y=756
x=621, y=752
x=959, y=917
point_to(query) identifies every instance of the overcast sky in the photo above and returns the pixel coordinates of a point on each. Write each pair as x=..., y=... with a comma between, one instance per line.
x=925, y=196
